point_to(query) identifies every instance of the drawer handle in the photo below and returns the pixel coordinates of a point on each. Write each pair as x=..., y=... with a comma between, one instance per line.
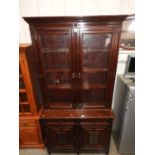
x=73, y=75
x=43, y=115
x=79, y=75
x=76, y=75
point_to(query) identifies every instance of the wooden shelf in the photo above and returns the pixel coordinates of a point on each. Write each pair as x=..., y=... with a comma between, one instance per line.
x=22, y=90
x=96, y=50
x=87, y=85
x=92, y=105
x=24, y=103
x=95, y=69
x=59, y=86
x=48, y=70
x=46, y=50
x=58, y=105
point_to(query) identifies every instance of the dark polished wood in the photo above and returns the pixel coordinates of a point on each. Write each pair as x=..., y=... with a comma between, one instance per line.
x=78, y=132
x=76, y=59
x=77, y=114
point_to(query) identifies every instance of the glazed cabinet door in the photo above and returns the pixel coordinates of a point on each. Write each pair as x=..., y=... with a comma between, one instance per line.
x=56, y=56
x=25, y=99
x=96, y=56
x=94, y=137
x=60, y=137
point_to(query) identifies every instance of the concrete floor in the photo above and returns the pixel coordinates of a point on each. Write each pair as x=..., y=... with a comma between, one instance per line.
x=113, y=151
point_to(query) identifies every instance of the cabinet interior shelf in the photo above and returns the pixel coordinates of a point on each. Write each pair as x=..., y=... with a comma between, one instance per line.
x=24, y=102
x=22, y=90
x=98, y=104
x=48, y=70
x=59, y=105
x=59, y=86
x=85, y=69
x=95, y=69
x=63, y=50
x=86, y=85
x=96, y=50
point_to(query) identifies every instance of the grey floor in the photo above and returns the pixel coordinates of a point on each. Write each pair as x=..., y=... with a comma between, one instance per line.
x=113, y=151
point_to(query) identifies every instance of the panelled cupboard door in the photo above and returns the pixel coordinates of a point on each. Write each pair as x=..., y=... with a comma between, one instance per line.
x=94, y=137
x=95, y=54
x=29, y=136
x=56, y=56
x=60, y=138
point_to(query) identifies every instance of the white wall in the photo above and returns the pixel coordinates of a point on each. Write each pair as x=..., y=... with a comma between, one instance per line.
x=70, y=8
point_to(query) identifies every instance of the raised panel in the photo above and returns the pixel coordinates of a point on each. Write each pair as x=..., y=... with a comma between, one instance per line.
x=60, y=138
x=94, y=137
x=29, y=136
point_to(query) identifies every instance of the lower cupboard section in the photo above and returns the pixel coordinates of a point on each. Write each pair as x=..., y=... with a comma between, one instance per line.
x=30, y=134
x=77, y=136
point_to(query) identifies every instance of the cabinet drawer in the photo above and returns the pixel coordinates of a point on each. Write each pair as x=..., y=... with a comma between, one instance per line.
x=27, y=123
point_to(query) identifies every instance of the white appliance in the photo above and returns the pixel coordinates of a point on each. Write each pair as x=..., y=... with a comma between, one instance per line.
x=124, y=109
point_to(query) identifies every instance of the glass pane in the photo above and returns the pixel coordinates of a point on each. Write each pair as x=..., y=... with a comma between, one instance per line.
x=96, y=48
x=59, y=95
x=57, y=59
x=95, y=77
x=23, y=97
x=21, y=83
x=20, y=108
x=55, y=56
x=95, y=51
x=19, y=70
x=93, y=95
x=96, y=41
x=26, y=108
x=55, y=50
x=57, y=78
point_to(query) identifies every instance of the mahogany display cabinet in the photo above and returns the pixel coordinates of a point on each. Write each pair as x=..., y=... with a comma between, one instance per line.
x=29, y=100
x=77, y=60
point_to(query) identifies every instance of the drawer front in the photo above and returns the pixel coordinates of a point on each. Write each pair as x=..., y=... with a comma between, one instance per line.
x=27, y=123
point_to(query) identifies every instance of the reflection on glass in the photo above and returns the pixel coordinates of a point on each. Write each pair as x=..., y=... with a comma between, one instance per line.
x=96, y=50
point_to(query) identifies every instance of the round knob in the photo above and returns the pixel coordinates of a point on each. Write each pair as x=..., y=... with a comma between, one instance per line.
x=43, y=115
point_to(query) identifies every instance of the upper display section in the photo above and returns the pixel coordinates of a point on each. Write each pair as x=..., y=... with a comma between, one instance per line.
x=77, y=59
